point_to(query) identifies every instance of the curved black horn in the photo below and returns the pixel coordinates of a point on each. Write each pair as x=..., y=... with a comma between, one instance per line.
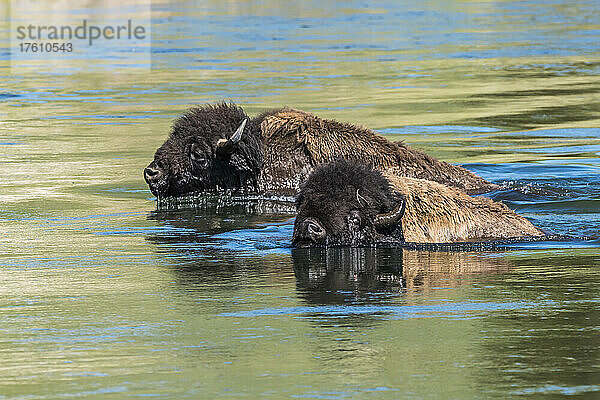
x=227, y=146
x=391, y=218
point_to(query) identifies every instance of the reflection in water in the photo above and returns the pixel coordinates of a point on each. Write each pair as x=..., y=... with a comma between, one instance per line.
x=371, y=275
x=222, y=241
x=214, y=215
x=367, y=283
x=353, y=293
x=362, y=287
x=199, y=239
x=426, y=270
x=342, y=275
x=346, y=278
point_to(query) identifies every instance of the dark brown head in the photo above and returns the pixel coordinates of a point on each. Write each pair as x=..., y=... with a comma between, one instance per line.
x=347, y=204
x=213, y=146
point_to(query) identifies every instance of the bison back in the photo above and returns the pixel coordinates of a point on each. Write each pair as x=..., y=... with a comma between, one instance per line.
x=439, y=214
x=294, y=138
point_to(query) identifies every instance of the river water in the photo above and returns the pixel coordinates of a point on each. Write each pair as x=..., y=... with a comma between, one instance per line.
x=104, y=296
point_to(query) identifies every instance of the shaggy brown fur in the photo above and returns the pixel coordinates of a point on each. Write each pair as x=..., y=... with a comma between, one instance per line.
x=295, y=141
x=277, y=151
x=439, y=214
x=189, y=160
x=339, y=204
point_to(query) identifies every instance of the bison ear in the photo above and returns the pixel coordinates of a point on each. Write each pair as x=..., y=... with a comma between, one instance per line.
x=390, y=219
x=227, y=146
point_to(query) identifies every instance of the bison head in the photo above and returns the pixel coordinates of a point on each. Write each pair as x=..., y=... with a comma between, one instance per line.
x=209, y=147
x=347, y=204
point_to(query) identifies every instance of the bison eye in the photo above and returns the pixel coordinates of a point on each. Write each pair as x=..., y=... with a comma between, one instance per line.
x=198, y=157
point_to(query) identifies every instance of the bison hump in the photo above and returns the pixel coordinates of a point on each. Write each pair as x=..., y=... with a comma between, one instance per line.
x=327, y=140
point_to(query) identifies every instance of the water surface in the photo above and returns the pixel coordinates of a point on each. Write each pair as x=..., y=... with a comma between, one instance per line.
x=104, y=296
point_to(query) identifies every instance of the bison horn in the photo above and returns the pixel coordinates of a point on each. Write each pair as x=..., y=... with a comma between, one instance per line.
x=360, y=199
x=387, y=220
x=227, y=146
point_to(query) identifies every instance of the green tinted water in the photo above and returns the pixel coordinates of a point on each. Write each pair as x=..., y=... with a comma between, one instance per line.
x=102, y=296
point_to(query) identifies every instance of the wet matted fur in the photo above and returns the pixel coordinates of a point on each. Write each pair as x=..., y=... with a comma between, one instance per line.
x=277, y=151
x=434, y=213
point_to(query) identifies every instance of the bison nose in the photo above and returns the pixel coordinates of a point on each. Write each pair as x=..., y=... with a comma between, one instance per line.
x=152, y=174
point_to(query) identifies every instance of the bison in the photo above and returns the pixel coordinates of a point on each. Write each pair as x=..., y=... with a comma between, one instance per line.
x=350, y=204
x=219, y=147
